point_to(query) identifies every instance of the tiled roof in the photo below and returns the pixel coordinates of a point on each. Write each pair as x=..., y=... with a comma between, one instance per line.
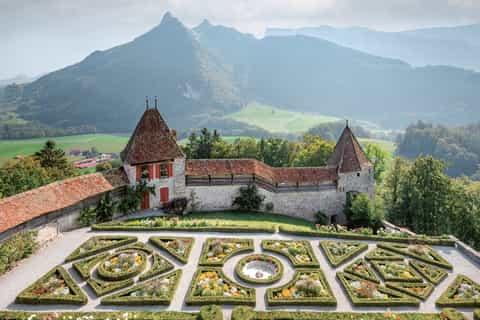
x=31, y=204
x=227, y=167
x=151, y=141
x=348, y=154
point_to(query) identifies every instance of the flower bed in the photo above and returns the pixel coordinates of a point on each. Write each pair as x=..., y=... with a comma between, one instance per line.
x=122, y=265
x=462, y=292
x=85, y=267
x=137, y=246
x=366, y=293
x=366, y=234
x=432, y=274
x=308, y=287
x=299, y=252
x=360, y=268
x=178, y=247
x=418, y=290
x=383, y=255
x=177, y=224
x=55, y=287
x=339, y=252
x=396, y=271
x=101, y=287
x=159, y=265
x=265, y=269
x=157, y=291
x=100, y=315
x=247, y=313
x=17, y=247
x=211, y=286
x=98, y=244
x=216, y=251
x=421, y=252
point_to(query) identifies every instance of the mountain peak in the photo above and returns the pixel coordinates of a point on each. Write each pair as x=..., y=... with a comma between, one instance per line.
x=169, y=18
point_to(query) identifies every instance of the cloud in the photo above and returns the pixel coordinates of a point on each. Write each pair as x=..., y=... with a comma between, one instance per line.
x=39, y=36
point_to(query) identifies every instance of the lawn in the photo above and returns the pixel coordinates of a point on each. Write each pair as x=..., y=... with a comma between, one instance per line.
x=278, y=120
x=388, y=146
x=103, y=142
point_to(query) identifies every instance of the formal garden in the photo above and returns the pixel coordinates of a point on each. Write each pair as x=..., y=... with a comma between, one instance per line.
x=187, y=271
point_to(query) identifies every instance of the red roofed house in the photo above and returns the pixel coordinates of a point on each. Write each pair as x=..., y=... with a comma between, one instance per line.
x=153, y=155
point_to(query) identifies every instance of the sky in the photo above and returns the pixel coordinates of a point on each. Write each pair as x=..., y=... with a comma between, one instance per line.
x=39, y=36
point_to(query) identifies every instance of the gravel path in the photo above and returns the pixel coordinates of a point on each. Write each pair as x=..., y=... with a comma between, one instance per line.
x=34, y=267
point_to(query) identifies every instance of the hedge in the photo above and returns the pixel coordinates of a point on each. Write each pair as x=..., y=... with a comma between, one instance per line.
x=137, y=246
x=211, y=312
x=100, y=315
x=383, y=255
x=27, y=296
x=436, y=259
x=328, y=300
x=125, y=274
x=261, y=257
x=447, y=299
x=395, y=298
x=439, y=241
x=269, y=245
x=81, y=252
x=101, y=287
x=159, y=242
x=18, y=247
x=160, y=265
x=125, y=298
x=431, y=273
x=352, y=269
x=192, y=299
x=427, y=288
x=84, y=267
x=377, y=265
x=247, y=313
x=336, y=260
x=246, y=245
x=476, y=314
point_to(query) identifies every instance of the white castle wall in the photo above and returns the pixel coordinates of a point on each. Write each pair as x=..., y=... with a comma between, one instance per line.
x=302, y=204
x=359, y=181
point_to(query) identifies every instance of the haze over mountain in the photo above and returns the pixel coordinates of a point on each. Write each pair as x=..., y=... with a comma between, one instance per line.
x=456, y=46
x=210, y=71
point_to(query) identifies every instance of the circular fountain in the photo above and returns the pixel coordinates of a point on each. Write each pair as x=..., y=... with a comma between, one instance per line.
x=259, y=269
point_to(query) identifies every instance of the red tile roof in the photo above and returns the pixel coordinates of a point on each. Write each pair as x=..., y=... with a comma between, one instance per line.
x=151, y=141
x=348, y=154
x=227, y=167
x=31, y=204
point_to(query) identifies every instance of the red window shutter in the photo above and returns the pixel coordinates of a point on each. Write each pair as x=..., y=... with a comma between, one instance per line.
x=163, y=194
x=170, y=169
x=150, y=171
x=139, y=173
x=157, y=171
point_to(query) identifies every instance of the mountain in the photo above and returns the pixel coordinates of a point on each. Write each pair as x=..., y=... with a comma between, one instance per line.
x=314, y=75
x=456, y=46
x=107, y=88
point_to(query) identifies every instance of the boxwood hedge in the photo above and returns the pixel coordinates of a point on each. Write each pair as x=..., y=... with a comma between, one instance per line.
x=143, y=315
x=159, y=265
x=410, y=288
x=85, y=249
x=161, y=243
x=361, y=269
x=411, y=276
x=84, y=267
x=431, y=273
x=243, y=245
x=137, y=246
x=451, y=298
x=76, y=296
x=101, y=287
x=259, y=257
x=383, y=255
x=329, y=248
x=124, y=274
x=271, y=245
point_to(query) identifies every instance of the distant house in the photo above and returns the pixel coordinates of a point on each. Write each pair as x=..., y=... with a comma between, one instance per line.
x=85, y=163
x=75, y=152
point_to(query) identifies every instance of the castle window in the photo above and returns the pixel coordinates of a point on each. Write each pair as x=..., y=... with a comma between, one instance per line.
x=358, y=174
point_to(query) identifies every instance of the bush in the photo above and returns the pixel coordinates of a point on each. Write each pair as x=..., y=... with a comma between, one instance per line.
x=249, y=199
x=105, y=208
x=321, y=218
x=243, y=313
x=212, y=312
x=18, y=247
x=177, y=206
x=87, y=217
x=269, y=206
x=104, y=166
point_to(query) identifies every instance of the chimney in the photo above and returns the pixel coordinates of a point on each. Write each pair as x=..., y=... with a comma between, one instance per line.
x=156, y=102
x=146, y=102
x=173, y=132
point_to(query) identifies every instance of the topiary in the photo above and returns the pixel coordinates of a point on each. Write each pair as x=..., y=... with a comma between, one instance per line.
x=243, y=313
x=211, y=312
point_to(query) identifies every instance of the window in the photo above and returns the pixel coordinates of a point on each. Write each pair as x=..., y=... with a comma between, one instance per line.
x=163, y=167
x=145, y=172
x=358, y=174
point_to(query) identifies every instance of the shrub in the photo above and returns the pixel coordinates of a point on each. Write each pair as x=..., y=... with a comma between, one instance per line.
x=178, y=247
x=98, y=244
x=321, y=218
x=104, y=166
x=105, y=208
x=211, y=312
x=177, y=206
x=462, y=292
x=299, y=252
x=18, y=247
x=216, y=251
x=243, y=313
x=269, y=206
x=339, y=252
x=87, y=217
x=249, y=198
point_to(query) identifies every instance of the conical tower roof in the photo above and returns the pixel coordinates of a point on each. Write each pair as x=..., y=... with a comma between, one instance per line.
x=151, y=141
x=348, y=154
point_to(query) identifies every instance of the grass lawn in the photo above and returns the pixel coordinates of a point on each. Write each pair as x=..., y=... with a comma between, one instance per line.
x=103, y=142
x=278, y=120
x=388, y=146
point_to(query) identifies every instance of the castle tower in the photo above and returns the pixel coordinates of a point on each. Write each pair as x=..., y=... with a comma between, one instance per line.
x=355, y=171
x=152, y=155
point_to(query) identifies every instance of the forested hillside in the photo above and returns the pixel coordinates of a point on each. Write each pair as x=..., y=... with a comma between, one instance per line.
x=458, y=147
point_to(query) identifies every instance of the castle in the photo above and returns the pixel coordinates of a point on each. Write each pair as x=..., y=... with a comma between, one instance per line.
x=153, y=155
